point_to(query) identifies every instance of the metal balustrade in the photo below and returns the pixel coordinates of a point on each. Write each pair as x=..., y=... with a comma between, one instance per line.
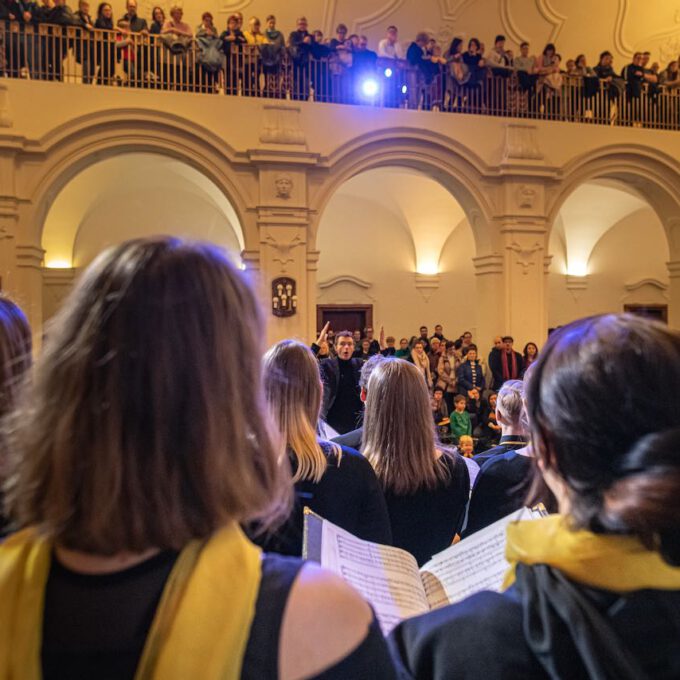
x=120, y=58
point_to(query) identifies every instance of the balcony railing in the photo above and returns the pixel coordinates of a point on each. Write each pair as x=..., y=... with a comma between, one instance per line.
x=120, y=58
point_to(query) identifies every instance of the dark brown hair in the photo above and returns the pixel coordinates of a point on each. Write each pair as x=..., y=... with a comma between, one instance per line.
x=134, y=433
x=605, y=417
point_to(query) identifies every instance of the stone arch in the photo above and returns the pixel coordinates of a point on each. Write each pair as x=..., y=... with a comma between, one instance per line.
x=69, y=149
x=453, y=166
x=653, y=174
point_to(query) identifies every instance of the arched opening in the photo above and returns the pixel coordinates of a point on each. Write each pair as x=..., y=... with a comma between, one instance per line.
x=396, y=239
x=609, y=252
x=130, y=195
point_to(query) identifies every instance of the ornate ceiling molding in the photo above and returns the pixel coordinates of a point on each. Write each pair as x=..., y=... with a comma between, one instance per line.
x=554, y=18
x=655, y=283
x=509, y=25
x=345, y=278
x=376, y=17
x=451, y=9
x=620, y=42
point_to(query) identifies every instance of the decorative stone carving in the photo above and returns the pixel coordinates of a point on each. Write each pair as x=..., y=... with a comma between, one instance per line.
x=526, y=196
x=525, y=256
x=655, y=283
x=521, y=143
x=488, y=264
x=282, y=125
x=283, y=250
x=577, y=285
x=345, y=278
x=283, y=183
x=5, y=116
x=427, y=284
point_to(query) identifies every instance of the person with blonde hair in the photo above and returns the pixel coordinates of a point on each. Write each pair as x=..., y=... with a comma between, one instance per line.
x=422, y=361
x=132, y=464
x=333, y=481
x=594, y=590
x=426, y=485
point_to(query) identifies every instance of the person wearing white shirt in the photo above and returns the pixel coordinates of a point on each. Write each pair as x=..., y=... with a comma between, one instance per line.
x=390, y=47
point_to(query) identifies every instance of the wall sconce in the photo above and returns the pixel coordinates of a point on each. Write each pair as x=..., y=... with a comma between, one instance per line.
x=284, y=297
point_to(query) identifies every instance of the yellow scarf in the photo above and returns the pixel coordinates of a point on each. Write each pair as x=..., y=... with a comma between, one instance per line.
x=617, y=563
x=201, y=626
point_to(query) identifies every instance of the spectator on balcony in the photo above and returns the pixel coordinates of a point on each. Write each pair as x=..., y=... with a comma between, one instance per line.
x=155, y=61
x=300, y=47
x=420, y=63
x=60, y=16
x=498, y=60
x=252, y=67
x=651, y=76
x=390, y=47
x=525, y=68
x=605, y=72
x=105, y=45
x=157, y=20
x=84, y=46
x=19, y=51
x=457, y=73
x=364, y=62
x=670, y=76
x=476, y=66
x=210, y=55
x=239, y=20
x=340, y=37
x=634, y=76
x=271, y=54
x=232, y=43
x=138, y=54
x=177, y=37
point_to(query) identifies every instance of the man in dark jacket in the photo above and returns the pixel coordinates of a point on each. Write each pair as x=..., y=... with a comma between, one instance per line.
x=300, y=43
x=342, y=406
x=505, y=364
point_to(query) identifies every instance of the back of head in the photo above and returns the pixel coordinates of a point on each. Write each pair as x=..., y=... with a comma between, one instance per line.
x=292, y=386
x=510, y=402
x=133, y=434
x=605, y=417
x=399, y=433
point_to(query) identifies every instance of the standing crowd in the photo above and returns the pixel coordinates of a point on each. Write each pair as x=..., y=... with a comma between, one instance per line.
x=255, y=58
x=154, y=482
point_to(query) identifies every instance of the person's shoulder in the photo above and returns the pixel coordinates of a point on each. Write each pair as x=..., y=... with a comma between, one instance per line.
x=445, y=642
x=322, y=602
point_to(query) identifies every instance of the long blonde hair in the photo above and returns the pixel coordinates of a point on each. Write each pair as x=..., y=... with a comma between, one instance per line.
x=292, y=387
x=399, y=433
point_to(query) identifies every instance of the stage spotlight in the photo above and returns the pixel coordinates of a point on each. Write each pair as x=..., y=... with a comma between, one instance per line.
x=369, y=87
x=388, y=73
x=404, y=89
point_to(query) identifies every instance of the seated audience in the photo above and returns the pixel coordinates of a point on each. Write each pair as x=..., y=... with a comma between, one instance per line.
x=460, y=417
x=389, y=350
x=421, y=360
x=529, y=355
x=131, y=470
x=470, y=379
x=15, y=362
x=505, y=364
x=446, y=373
x=364, y=351
x=440, y=411
x=426, y=485
x=335, y=482
x=404, y=352
x=488, y=431
x=593, y=592
x=466, y=445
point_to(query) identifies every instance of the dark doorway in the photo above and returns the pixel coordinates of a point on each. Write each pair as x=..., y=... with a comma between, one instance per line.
x=656, y=312
x=344, y=317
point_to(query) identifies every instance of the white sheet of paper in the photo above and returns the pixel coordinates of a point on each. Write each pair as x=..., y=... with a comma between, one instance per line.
x=387, y=577
x=476, y=563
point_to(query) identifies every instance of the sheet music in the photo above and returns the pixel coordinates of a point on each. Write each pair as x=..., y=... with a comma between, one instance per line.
x=476, y=563
x=387, y=577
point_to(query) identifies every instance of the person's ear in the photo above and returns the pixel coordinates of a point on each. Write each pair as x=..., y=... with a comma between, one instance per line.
x=363, y=394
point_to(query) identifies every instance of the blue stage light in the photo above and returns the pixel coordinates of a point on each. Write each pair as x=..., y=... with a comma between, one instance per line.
x=388, y=73
x=370, y=87
x=404, y=89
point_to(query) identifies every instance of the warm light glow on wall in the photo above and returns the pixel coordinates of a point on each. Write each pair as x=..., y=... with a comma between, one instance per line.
x=58, y=264
x=428, y=267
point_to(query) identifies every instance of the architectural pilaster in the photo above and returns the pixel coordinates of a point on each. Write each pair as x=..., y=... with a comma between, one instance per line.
x=674, y=294
x=28, y=288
